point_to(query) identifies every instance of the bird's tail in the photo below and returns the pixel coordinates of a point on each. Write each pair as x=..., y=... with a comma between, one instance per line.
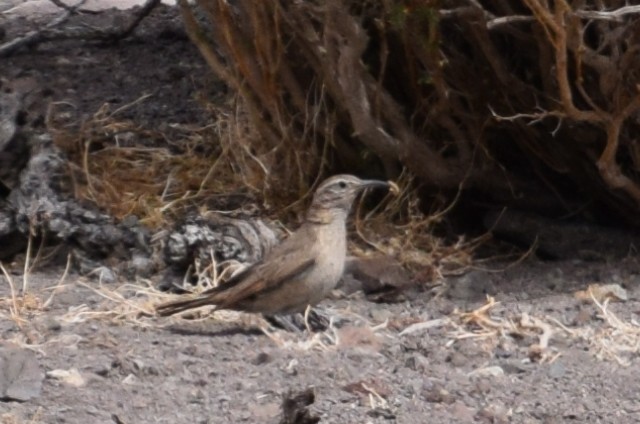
x=171, y=308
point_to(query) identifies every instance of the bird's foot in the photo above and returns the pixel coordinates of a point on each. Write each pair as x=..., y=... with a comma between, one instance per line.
x=314, y=320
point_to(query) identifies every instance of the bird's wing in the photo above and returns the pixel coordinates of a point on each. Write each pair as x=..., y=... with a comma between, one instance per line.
x=288, y=260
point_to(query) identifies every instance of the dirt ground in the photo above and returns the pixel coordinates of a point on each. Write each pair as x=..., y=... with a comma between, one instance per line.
x=540, y=354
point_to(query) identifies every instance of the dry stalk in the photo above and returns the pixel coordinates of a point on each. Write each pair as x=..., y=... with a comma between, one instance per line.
x=15, y=308
x=59, y=284
x=26, y=303
x=401, y=230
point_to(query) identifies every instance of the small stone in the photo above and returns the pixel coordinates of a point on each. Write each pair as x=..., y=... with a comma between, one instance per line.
x=130, y=221
x=71, y=377
x=380, y=314
x=102, y=370
x=385, y=413
x=295, y=408
x=483, y=386
x=261, y=359
x=292, y=368
x=513, y=366
x=502, y=353
x=434, y=392
x=53, y=325
x=492, y=371
x=353, y=337
x=462, y=413
x=380, y=276
x=130, y=380
x=457, y=359
x=142, y=266
x=417, y=362
x=368, y=387
x=493, y=414
x=104, y=275
x=557, y=370
x=474, y=285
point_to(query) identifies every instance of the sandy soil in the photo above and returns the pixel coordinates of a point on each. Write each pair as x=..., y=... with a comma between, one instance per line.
x=540, y=355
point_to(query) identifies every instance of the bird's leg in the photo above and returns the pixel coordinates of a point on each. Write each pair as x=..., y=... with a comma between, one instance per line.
x=313, y=320
x=286, y=322
x=306, y=318
x=318, y=318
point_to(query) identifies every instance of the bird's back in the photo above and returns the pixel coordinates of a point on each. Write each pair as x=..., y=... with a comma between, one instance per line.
x=276, y=282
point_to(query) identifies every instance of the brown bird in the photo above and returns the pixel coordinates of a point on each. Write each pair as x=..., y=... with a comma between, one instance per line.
x=300, y=271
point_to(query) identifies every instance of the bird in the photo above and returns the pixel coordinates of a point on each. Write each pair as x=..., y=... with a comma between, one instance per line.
x=300, y=271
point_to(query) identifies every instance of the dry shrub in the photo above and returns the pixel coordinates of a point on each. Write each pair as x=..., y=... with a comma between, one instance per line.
x=306, y=107
x=525, y=103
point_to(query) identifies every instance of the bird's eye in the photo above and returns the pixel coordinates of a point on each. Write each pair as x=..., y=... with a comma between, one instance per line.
x=342, y=184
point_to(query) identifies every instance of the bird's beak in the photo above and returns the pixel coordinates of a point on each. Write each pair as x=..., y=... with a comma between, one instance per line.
x=393, y=187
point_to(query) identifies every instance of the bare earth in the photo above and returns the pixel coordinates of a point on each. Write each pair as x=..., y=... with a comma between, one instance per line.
x=540, y=355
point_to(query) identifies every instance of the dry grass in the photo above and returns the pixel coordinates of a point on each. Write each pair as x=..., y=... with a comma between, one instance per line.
x=608, y=338
x=208, y=275
x=399, y=228
x=108, y=153
x=23, y=303
x=617, y=339
x=133, y=304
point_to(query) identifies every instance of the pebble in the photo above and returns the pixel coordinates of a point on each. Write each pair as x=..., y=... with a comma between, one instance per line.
x=457, y=359
x=462, y=413
x=557, y=370
x=493, y=414
x=417, y=362
x=491, y=371
x=435, y=392
x=261, y=359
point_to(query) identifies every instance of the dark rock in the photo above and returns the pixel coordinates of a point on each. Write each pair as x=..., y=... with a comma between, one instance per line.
x=295, y=408
x=244, y=239
x=20, y=374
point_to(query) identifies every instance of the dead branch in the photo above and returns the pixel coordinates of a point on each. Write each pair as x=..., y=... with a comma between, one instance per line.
x=33, y=37
x=53, y=31
x=469, y=95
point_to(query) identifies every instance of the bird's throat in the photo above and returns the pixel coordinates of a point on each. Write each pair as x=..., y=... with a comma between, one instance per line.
x=326, y=215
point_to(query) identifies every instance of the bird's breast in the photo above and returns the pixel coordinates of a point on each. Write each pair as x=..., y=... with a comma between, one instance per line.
x=331, y=256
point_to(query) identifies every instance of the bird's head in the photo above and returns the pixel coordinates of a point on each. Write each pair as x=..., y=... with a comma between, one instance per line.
x=336, y=195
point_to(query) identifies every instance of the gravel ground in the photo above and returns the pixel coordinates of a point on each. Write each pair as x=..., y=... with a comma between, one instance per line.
x=377, y=366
